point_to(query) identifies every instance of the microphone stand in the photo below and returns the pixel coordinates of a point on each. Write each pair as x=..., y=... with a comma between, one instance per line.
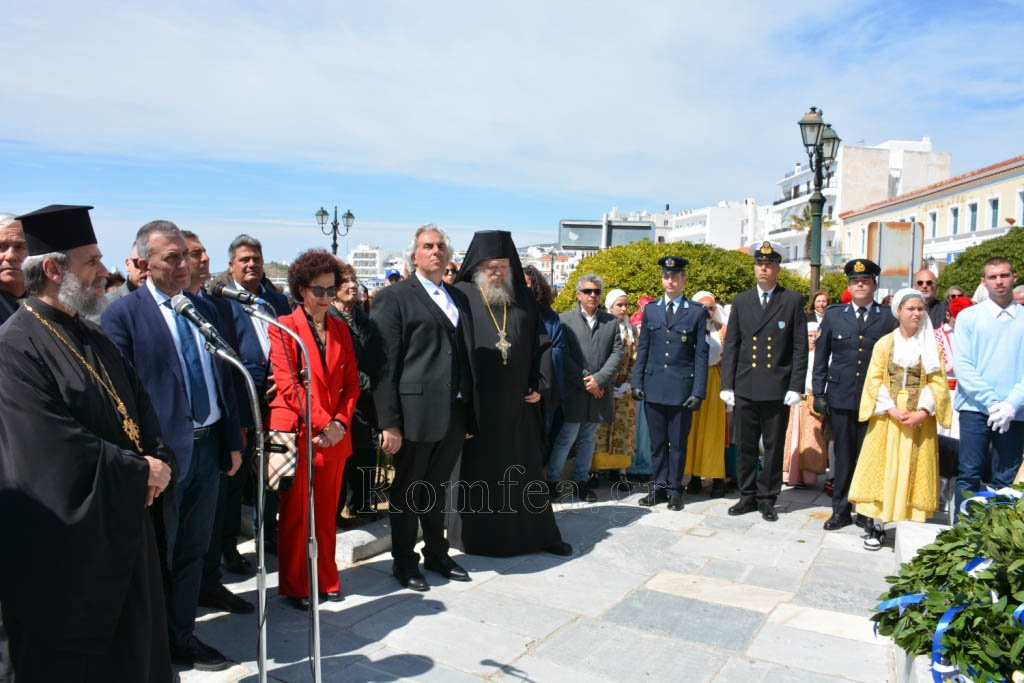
x=261, y=568
x=311, y=552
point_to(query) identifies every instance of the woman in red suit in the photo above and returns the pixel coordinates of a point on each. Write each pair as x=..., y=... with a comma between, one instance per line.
x=313, y=279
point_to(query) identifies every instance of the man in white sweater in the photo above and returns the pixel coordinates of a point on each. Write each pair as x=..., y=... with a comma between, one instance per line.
x=988, y=344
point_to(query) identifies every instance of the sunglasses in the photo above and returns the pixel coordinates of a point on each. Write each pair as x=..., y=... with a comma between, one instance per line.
x=451, y=271
x=590, y=292
x=321, y=292
x=922, y=283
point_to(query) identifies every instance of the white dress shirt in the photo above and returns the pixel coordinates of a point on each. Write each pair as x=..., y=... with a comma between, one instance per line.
x=441, y=298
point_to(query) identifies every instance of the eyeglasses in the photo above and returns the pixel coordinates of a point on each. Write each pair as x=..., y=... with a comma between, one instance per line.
x=321, y=292
x=590, y=292
x=922, y=283
x=451, y=271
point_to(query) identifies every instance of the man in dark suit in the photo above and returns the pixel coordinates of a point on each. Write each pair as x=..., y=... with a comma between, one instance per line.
x=245, y=272
x=212, y=592
x=841, y=356
x=670, y=377
x=13, y=251
x=198, y=417
x=764, y=368
x=424, y=400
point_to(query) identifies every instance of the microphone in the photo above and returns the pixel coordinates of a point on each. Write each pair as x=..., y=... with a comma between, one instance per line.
x=239, y=295
x=184, y=307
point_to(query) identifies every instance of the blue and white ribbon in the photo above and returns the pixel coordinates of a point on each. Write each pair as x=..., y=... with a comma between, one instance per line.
x=941, y=671
x=986, y=496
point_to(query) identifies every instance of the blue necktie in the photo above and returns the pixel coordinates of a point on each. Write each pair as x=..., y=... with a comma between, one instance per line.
x=193, y=369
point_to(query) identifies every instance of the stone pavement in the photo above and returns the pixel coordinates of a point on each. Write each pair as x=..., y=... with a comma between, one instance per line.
x=649, y=595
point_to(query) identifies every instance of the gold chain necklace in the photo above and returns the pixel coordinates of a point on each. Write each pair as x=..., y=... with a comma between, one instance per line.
x=128, y=424
x=502, y=344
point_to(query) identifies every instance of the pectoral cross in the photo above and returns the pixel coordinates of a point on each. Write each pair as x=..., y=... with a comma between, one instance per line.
x=503, y=345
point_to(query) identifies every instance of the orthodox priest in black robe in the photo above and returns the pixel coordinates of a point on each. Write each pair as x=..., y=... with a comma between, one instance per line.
x=80, y=580
x=501, y=497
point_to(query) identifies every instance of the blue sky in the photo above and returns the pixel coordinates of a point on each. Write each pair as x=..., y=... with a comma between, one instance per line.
x=243, y=116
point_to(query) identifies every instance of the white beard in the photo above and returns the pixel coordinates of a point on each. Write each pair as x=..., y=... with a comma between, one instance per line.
x=499, y=294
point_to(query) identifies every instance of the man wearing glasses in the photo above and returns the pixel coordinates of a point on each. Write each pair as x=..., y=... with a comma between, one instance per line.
x=593, y=351
x=925, y=282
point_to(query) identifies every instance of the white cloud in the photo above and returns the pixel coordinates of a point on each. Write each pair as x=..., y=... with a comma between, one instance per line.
x=682, y=101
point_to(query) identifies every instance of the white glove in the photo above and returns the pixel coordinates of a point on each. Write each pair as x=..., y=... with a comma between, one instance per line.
x=792, y=399
x=729, y=398
x=1000, y=415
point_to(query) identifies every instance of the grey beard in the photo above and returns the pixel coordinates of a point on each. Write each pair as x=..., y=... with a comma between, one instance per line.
x=495, y=294
x=74, y=294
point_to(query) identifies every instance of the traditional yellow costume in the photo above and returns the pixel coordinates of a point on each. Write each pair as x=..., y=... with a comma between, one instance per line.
x=897, y=475
x=617, y=441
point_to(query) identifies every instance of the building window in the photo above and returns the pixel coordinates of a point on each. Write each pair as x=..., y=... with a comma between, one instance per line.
x=1020, y=207
x=933, y=222
x=954, y=220
x=863, y=240
x=972, y=212
x=993, y=212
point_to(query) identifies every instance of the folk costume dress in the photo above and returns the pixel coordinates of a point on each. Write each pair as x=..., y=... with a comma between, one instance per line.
x=705, y=450
x=616, y=442
x=806, y=453
x=897, y=475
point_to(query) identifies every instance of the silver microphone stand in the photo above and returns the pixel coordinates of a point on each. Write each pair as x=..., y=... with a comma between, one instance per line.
x=261, y=567
x=314, y=586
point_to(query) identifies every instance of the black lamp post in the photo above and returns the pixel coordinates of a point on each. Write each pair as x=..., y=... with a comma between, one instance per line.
x=551, y=277
x=822, y=145
x=321, y=218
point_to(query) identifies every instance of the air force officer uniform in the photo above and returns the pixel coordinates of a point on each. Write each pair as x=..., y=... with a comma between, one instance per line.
x=670, y=376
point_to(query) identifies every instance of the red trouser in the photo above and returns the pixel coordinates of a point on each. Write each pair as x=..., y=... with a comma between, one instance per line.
x=292, y=529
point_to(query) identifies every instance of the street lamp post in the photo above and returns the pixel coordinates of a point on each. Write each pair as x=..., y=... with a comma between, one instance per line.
x=551, y=275
x=347, y=219
x=822, y=145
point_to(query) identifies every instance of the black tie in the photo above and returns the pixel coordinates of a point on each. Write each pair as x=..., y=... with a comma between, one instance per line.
x=764, y=300
x=861, y=316
x=669, y=311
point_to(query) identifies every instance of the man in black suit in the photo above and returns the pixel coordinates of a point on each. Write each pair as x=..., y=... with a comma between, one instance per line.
x=764, y=368
x=424, y=401
x=842, y=353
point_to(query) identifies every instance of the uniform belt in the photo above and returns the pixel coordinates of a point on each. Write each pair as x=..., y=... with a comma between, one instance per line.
x=203, y=432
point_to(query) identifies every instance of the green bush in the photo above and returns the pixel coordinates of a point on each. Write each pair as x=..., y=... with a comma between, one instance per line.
x=634, y=269
x=835, y=284
x=965, y=271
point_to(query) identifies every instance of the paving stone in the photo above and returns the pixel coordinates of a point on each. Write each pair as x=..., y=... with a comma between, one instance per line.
x=644, y=550
x=463, y=644
x=738, y=524
x=671, y=520
x=841, y=589
x=877, y=562
x=821, y=653
x=539, y=670
x=580, y=586
x=529, y=619
x=826, y=622
x=622, y=654
x=719, y=591
x=739, y=670
x=697, y=621
x=388, y=664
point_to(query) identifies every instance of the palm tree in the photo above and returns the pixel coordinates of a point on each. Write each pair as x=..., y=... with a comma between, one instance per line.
x=802, y=222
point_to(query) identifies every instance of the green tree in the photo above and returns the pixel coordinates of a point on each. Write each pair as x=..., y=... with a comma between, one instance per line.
x=801, y=222
x=835, y=284
x=965, y=271
x=634, y=269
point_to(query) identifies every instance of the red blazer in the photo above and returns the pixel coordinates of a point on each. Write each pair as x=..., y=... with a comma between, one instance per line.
x=335, y=387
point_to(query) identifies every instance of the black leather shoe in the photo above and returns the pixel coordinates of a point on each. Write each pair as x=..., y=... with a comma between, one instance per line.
x=837, y=522
x=224, y=600
x=562, y=549
x=332, y=596
x=410, y=578
x=553, y=493
x=717, y=488
x=235, y=563
x=199, y=656
x=675, y=502
x=650, y=500
x=446, y=567
x=584, y=492
x=693, y=488
x=743, y=507
x=768, y=512
x=301, y=604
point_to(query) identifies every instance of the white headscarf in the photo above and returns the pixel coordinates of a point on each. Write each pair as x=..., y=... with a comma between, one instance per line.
x=625, y=329
x=922, y=346
x=718, y=317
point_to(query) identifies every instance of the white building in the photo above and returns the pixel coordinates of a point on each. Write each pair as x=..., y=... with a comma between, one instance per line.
x=556, y=264
x=860, y=176
x=368, y=262
x=729, y=225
